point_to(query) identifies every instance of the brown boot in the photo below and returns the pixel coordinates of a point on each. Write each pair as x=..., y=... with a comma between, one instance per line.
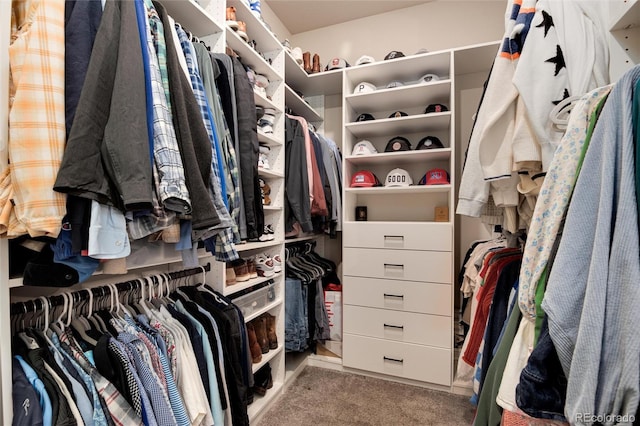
x=260, y=325
x=271, y=330
x=254, y=347
x=306, y=60
x=316, y=64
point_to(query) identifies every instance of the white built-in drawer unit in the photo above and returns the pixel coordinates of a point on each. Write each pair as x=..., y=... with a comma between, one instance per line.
x=407, y=360
x=410, y=265
x=407, y=296
x=399, y=235
x=406, y=327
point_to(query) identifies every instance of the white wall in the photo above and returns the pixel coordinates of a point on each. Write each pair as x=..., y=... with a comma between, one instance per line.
x=434, y=26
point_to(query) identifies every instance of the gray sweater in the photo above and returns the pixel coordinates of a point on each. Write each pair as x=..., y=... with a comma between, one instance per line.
x=593, y=293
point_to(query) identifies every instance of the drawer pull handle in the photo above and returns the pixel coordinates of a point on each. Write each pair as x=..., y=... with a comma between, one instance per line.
x=394, y=239
x=394, y=265
x=400, y=327
x=398, y=296
x=386, y=358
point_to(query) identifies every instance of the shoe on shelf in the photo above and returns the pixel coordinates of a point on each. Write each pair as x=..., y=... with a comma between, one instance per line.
x=254, y=346
x=271, y=330
x=277, y=262
x=262, y=380
x=306, y=62
x=264, y=266
x=265, y=191
x=260, y=325
x=287, y=45
x=242, y=30
x=316, y=64
x=230, y=275
x=231, y=18
x=264, y=149
x=251, y=268
x=256, y=8
x=260, y=91
x=267, y=234
x=263, y=162
x=241, y=270
x=259, y=113
x=262, y=81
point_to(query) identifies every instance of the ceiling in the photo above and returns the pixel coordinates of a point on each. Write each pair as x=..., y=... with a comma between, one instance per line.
x=306, y=15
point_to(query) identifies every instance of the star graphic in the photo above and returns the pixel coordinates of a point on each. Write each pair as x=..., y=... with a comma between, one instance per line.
x=558, y=60
x=565, y=95
x=547, y=22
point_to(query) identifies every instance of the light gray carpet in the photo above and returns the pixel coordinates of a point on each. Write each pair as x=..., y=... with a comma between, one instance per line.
x=325, y=397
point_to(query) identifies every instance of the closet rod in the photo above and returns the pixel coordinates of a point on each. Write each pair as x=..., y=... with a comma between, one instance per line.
x=56, y=300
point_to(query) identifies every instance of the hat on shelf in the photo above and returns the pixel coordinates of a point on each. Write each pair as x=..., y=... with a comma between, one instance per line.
x=365, y=117
x=398, y=177
x=429, y=78
x=394, y=83
x=336, y=64
x=429, y=142
x=393, y=55
x=435, y=177
x=365, y=59
x=364, y=87
x=364, y=179
x=436, y=108
x=364, y=148
x=398, y=114
x=421, y=51
x=296, y=52
x=398, y=143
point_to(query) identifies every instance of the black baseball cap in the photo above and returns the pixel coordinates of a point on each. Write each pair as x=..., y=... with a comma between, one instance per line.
x=398, y=143
x=393, y=55
x=436, y=108
x=365, y=117
x=429, y=142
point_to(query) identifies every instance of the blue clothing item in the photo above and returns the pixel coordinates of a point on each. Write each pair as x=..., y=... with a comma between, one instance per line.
x=81, y=398
x=141, y=13
x=295, y=322
x=214, y=392
x=27, y=409
x=45, y=402
x=542, y=390
x=99, y=418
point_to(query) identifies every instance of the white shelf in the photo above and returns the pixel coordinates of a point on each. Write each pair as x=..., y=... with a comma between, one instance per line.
x=426, y=123
x=268, y=357
x=303, y=238
x=268, y=173
x=265, y=102
x=257, y=245
x=322, y=83
x=402, y=157
x=256, y=30
x=268, y=139
x=399, y=98
x=250, y=57
x=261, y=311
x=476, y=58
x=299, y=106
x=628, y=16
x=228, y=290
x=408, y=68
x=193, y=17
x=414, y=189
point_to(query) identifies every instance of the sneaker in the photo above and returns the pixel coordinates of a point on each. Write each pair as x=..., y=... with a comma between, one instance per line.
x=264, y=266
x=242, y=30
x=287, y=45
x=263, y=162
x=263, y=82
x=260, y=91
x=297, y=55
x=231, y=18
x=277, y=263
x=267, y=234
x=256, y=8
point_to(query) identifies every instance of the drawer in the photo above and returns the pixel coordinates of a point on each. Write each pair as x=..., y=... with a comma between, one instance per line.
x=410, y=265
x=406, y=360
x=408, y=296
x=398, y=235
x=408, y=327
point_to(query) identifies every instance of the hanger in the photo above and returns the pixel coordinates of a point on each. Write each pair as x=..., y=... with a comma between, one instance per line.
x=81, y=325
x=559, y=114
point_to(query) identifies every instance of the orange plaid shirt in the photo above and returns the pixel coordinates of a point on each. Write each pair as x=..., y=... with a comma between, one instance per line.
x=28, y=203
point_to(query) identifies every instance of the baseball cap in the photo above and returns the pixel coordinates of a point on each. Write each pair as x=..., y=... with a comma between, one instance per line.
x=364, y=87
x=364, y=148
x=436, y=108
x=398, y=143
x=364, y=179
x=393, y=55
x=365, y=59
x=365, y=117
x=336, y=63
x=429, y=78
x=398, y=177
x=394, y=83
x=429, y=142
x=398, y=114
x=435, y=177
x=421, y=51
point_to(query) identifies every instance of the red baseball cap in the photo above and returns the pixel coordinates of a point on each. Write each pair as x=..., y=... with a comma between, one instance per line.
x=435, y=177
x=364, y=179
